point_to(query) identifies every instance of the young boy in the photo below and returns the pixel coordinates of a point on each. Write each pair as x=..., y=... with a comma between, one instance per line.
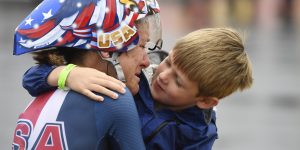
x=203, y=67
x=176, y=110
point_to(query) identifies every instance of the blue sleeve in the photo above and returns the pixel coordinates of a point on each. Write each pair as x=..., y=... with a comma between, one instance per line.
x=35, y=79
x=183, y=137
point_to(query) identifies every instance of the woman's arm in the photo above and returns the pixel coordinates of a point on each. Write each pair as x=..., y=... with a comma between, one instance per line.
x=42, y=78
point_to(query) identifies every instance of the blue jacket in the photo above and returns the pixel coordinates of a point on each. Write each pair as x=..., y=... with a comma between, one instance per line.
x=188, y=129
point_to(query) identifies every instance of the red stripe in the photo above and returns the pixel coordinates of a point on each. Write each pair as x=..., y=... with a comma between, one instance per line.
x=33, y=111
x=40, y=31
x=111, y=28
x=67, y=38
x=111, y=49
x=85, y=32
x=95, y=47
x=131, y=40
x=83, y=19
x=141, y=5
x=110, y=17
x=156, y=10
x=134, y=17
x=127, y=12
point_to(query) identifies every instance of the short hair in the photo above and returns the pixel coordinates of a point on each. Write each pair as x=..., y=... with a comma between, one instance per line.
x=59, y=56
x=216, y=60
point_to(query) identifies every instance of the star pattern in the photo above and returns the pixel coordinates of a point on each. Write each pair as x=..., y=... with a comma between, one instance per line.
x=28, y=21
x=22, y=40
x=48, y=14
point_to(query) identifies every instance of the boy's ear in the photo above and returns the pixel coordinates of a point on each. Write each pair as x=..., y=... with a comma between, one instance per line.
x=207, y=102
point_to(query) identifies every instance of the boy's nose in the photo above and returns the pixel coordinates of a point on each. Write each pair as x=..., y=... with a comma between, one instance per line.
x=163, y=76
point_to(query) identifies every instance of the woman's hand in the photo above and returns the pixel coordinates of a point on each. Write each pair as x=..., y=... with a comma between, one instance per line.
x=86, y=80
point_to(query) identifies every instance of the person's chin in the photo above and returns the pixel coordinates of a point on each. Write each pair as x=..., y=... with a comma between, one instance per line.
x=135, y=90
x=154, y=93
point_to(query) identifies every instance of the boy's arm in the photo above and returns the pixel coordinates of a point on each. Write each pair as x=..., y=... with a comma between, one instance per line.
x=35, y=79
x=42, y=78
x=86, y=80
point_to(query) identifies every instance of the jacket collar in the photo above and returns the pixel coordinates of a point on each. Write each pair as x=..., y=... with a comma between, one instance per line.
x=192, y=116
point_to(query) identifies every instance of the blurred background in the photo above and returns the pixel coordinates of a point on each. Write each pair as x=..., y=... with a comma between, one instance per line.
x=265, y=117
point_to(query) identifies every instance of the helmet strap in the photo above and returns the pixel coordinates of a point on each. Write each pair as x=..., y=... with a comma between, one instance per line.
x=118, y=67
x=113, y=59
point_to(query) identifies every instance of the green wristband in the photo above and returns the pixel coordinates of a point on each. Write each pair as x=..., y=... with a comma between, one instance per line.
x=63, y=76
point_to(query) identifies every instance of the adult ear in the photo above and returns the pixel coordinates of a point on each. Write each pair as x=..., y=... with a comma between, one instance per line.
x=104, y=54
x=207, y=102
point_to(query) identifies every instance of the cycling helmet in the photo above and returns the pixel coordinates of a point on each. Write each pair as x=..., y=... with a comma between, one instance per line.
x=106, y=25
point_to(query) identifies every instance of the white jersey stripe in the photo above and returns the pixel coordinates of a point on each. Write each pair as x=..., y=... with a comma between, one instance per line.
x=53, y=105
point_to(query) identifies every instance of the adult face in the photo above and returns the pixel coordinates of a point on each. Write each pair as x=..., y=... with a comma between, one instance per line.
x=171, y=87
x=133, y=61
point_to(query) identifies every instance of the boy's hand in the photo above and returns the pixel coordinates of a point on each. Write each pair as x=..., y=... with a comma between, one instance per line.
x=88, y=80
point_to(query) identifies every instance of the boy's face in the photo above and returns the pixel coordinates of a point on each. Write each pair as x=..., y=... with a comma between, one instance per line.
x=171, y=87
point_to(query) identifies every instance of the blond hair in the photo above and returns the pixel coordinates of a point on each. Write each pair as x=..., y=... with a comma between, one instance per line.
x=215, y=59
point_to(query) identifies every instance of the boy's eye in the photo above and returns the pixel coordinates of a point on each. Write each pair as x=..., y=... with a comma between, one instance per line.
x=178, y=82
x=168, y=62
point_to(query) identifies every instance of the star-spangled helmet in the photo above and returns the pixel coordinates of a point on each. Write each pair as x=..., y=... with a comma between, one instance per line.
x=106, y=25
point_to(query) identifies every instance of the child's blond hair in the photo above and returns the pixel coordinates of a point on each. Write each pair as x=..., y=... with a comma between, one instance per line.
x=214, y=58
